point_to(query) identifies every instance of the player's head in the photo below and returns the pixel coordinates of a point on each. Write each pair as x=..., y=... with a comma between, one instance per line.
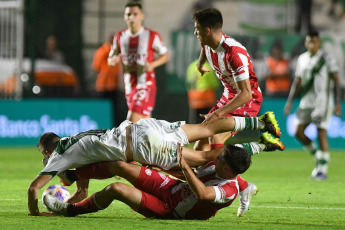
x=207, y=21
x=233, y=159
x=312, y=42
x=47, y=143
x=133, y=15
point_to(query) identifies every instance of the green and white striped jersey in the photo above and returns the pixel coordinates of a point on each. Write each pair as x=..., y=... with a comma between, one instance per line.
x=317, y=84
x=88, y=147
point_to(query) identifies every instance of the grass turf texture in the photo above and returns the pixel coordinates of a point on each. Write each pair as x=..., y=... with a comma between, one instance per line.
x=287, y=198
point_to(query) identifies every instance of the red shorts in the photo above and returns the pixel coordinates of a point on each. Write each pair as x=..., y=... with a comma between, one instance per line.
x=156, y=194
x=251, y=109
x=142, y=101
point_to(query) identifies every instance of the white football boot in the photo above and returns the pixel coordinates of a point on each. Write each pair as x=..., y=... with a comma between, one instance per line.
x=245, y=198
x=55, y=205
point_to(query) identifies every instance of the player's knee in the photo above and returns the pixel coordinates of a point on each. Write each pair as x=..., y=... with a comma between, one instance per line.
x=116, y=188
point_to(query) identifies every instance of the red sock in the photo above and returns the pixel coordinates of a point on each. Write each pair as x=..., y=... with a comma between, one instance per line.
x=86, y=206
x=94, y=171
x=215, y=146
x=242, y=184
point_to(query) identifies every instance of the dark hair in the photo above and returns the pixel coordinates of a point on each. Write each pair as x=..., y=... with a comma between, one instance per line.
x=210, y=17
x=133, y=4
x=237, y=158
x=48, y=141
x=313, y=33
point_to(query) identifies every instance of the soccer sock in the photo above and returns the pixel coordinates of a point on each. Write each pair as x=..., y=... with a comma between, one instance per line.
x=86, y=206
x=215, y=146
x=242, y=123
x=94, y=171
x=252, y=147
x=242, y=184
x=310, y=148
x=322, y=162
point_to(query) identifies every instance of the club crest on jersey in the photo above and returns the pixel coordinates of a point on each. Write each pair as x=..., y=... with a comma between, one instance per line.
x=148, y=172
x=175, y=125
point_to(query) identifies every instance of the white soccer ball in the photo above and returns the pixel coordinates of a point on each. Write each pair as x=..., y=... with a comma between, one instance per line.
x=58, y=191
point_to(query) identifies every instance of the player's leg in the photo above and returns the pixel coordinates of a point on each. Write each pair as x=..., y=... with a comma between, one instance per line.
x=322, y=156
x=202, y=145
x=140, y=104
x=98, y=201
x=267, y=122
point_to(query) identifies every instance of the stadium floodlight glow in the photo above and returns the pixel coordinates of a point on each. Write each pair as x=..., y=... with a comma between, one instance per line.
x=36, y=89
x=24, y=77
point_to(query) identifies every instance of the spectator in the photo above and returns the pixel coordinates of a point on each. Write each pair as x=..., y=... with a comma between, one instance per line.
x=278, y=80
x=202, y=91
x=52, y=51
x=108, y=79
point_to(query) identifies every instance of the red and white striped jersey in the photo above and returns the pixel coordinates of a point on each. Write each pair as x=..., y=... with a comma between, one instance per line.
x=186, y=205
x=135, y=51
x=232, y=64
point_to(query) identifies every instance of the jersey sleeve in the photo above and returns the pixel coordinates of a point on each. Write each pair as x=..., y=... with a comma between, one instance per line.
x=55, y=165
x=331, y=64
x=115, y=49
x=298, y=72
x=158, y=45
x=239, y=62
x=225, y=193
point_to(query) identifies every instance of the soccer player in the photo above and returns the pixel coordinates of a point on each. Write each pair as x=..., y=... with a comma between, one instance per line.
x=156, y=195
x=231, y=62
x=315, y=78
x=136, y=48
x=150, y=141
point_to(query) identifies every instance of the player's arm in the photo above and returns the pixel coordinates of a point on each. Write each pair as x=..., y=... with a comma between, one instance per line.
x=295, y=88
x=243, y=97
x=201, y=191
x=337, y=109
x=201, y=62
x=81, y=191
x=114, y=57
x=36, y=184
x=160, y=60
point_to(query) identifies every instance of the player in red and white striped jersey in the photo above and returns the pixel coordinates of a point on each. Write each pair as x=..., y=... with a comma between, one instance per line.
x=157, y=195
x=231, y=62
x=136, y=47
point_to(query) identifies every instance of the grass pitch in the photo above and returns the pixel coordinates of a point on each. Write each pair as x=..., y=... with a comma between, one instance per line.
x=287, y=198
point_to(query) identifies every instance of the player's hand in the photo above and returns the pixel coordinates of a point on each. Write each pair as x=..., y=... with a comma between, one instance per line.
x=287, y=109
x=337, y=110
x=203, y=70
x=148, y=67
x=112, y=61
x=181, y=161
x=209, y=117
x=44, y=214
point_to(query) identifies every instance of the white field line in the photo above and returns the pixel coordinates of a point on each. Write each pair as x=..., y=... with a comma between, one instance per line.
x=276, y=207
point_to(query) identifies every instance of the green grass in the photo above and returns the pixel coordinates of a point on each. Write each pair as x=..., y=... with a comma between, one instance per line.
x=287, y=198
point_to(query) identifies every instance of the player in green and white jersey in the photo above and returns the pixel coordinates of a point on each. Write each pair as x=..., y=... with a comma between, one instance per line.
x=316, y=78
x=150, y=141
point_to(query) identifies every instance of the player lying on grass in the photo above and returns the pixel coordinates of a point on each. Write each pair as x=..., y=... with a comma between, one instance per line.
x=150, y=141
x=156, y=195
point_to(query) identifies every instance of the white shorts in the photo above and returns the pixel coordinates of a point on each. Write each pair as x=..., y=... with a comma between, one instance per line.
x=155, y=142
x=305, y=116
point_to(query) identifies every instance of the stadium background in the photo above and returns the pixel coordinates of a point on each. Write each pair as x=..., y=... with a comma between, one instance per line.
x=84, y=25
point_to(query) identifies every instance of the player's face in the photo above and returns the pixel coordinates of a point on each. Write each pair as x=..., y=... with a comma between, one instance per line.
x=201, y=33
x=312, y=44
x=221, y=165
x=133, y=17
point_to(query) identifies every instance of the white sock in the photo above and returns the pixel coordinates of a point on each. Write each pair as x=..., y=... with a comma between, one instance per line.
x=310, y=148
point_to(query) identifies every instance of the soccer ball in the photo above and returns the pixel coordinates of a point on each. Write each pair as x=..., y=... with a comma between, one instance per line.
x=58, y=191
